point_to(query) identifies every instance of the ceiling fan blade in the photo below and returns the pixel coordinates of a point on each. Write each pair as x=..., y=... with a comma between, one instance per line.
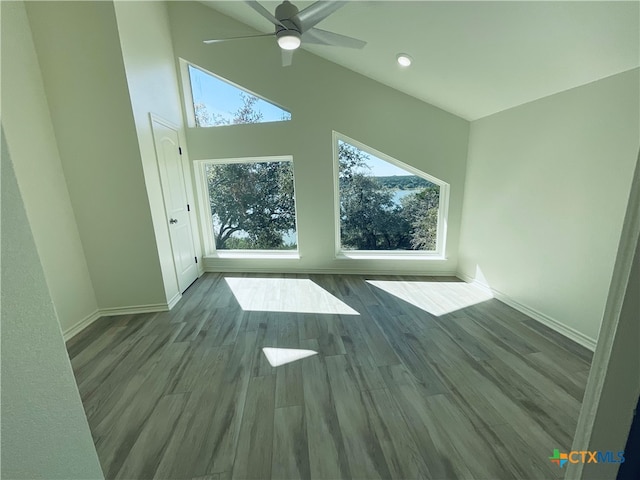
x=264, y=12
x=219, y=40
x=287, y=57
x=317, y=12
x=322, y=37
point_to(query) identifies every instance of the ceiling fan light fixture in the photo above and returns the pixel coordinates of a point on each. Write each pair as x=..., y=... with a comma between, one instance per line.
x=404, y=60
x=288, y=39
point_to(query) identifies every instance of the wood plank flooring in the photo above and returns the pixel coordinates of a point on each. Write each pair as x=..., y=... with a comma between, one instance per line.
x=415, y=378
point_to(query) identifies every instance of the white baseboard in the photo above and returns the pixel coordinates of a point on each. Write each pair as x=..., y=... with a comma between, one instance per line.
x=108, y=312
x=172, y=303
x=537, y=315
x=81, y=325
x=481, y=285
x=135, y=309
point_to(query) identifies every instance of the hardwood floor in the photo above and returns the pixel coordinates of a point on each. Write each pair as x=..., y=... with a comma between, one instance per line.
x=472, y=390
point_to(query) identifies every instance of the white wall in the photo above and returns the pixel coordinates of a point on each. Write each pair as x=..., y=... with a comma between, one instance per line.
x=153, y=87
x=614, y=380
x=27, y=124
x=80, y=58
x=547, y=187
x=322, y=97
x=44, y=430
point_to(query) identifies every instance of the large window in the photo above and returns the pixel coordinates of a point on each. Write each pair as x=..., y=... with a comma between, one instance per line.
x=250, y=204
x=217, y=102
x=384, y=205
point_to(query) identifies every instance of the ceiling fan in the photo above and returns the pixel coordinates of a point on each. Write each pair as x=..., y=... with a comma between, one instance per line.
x=292, y=27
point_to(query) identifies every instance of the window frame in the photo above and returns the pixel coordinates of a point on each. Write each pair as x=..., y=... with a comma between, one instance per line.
x=187, y=93
x=443, y=209
x=205, y=217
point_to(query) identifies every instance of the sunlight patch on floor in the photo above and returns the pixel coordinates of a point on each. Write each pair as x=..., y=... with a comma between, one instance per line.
x=299, y=295
x=282, y=356
x=437, y=298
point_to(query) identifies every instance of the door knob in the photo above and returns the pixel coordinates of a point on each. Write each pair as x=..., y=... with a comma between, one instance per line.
x=173, y=220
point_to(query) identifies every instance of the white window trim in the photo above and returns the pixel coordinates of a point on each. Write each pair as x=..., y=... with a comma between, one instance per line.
x=443, y=209
x=204, y=210
x=188, y=94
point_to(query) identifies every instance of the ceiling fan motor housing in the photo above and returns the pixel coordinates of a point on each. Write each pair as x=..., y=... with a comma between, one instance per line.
x=291, y=25
x=287, y=14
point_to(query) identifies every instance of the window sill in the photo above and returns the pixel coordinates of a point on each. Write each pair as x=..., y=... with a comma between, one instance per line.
x=346, y=255
x=255, y=254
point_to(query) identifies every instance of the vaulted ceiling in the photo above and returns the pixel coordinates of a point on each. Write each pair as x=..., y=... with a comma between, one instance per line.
x=476, y=58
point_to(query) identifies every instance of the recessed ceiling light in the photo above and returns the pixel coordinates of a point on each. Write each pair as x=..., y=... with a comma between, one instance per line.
x=404, y=60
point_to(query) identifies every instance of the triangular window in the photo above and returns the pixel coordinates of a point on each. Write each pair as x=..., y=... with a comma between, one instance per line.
x=386, y=205
x=217, y=102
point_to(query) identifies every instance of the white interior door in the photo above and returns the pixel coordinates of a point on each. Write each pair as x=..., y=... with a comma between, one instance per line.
x=176, y=204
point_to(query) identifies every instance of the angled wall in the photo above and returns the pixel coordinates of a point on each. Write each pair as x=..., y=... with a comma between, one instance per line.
x=44, y=430
x=80, y=58
x=321, y=97
x=547, y=187
x=31, y=140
